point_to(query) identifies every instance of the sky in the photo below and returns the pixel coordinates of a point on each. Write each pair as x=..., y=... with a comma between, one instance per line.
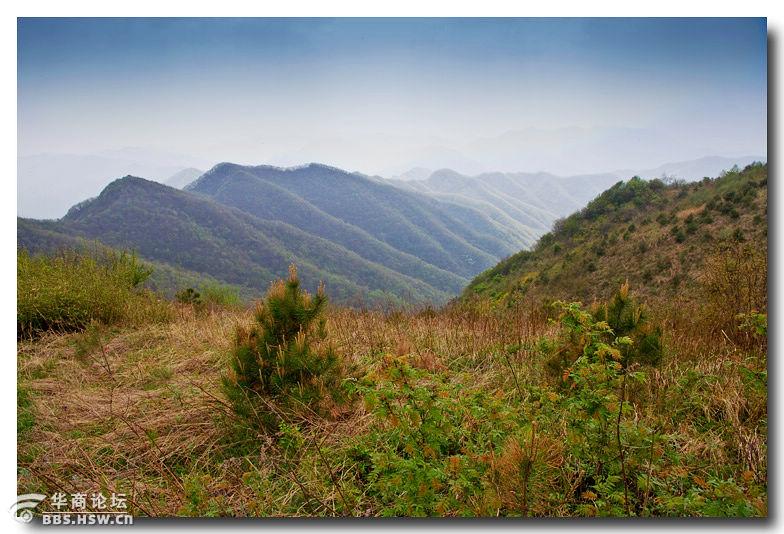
x=382, y=96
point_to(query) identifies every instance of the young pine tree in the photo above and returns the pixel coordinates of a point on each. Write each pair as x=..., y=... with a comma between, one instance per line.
x=284, y=358
x=628, y=318
x=624, y=317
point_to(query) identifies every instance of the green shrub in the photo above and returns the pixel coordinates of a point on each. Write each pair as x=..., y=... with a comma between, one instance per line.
x=189, y=296
x=623, y=317
x=691, y=224
x=756, y=323
x=678, y=234
x=209, y=295
x=437, y=448
x=284, y=356
x=70, y=290
x=628, y=318
x=621, y=464
x=217, y=294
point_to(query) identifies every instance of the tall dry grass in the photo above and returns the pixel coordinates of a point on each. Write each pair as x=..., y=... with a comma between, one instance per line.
x=140, y=410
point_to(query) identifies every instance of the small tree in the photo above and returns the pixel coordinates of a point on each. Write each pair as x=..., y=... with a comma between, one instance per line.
x=628, y=318
x=621, y=317
x=284, y=356
x=189, y=296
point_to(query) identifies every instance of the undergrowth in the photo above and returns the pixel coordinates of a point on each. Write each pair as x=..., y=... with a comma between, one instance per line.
x=70, y=290
x=444, y=413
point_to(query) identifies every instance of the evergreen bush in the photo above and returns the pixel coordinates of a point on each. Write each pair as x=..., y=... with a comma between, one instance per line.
x=284, y=356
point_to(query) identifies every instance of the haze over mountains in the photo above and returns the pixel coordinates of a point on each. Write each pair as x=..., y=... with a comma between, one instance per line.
x=364, y=237
x=370, y=239
x=50, y=183
x=529, y=203
x=690, y=169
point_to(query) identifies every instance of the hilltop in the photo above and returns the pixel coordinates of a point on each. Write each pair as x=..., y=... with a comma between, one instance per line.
x=660, y=237
x=366, y=215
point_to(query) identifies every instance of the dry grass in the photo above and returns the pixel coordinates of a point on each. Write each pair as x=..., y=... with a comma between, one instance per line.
x=141, y=412
x=143, y=407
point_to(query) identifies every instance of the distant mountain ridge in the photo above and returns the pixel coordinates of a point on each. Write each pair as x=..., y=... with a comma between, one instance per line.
x=369, y=241
x=697, y=169
x=369, y=238
x=529, y=203
x=365, y=214
x=202, y=236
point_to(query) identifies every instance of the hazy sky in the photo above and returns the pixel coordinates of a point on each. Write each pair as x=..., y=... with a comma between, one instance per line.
x=380, y=96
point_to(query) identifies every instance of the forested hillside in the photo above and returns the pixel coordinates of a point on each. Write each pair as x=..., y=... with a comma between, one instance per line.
x=370, y=241
x=196, y=234
x=374, y=219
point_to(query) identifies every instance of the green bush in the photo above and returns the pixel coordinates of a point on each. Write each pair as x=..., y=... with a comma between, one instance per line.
x=623, y=317
x=628, y=318
x=678, y=234
x=621, y=464
x=437, y=448
x=284, y=356
x=217, y=294
x=209, y=295
x=70, y=290
x=189, y=296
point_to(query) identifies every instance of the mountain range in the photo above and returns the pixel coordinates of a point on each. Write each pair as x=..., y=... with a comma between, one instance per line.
x=367, y=239
x=370, y=239
x=529, y=203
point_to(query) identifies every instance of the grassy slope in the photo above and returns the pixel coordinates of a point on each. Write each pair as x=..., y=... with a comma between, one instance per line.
x=47, y=237
x=658, y=238
x=141, y=411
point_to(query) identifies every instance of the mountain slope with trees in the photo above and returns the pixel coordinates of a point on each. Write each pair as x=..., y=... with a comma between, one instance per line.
x=194, y=233
x=667, y=240
x=363, y=214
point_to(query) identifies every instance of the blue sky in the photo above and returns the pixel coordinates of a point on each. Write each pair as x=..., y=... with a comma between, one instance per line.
x=380, y=95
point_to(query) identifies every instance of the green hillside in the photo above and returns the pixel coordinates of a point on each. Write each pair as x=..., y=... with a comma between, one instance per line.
x=663, y=238
x=47, y=237
x=239, y=187
x=650, y=403
x=376, y=220
x=370, y=241
x=201, y=236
